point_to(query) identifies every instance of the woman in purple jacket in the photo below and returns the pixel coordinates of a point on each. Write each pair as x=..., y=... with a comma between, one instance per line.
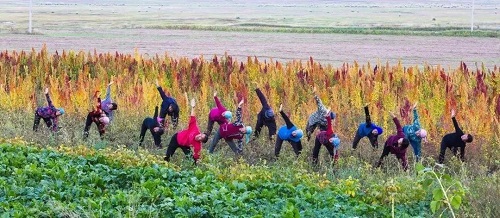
x=396, y=144
x=230, y=131
x=49, y=114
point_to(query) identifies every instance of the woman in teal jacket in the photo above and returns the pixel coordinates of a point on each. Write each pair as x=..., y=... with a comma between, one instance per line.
x=414, y=133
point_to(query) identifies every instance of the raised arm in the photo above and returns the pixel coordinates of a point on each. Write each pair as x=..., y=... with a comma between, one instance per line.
x=455, y=123
x=321, y=107
x=416, y=121
x=156, y=113
x=238, y=114
x=108, y=92
x=262, y=99
x=288, y=123
x=319, y=103
x=47, y=96
x=162, y=93
x=398, y=124
x=329, y=127
x=457, y=128
x=192, y=119
x=219, y=104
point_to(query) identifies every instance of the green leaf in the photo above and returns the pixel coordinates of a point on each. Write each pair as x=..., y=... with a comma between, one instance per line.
x=427, y=182
x=437, y=194
x=419, y=167
x=434, y=205
x=446, y=178
x=456, y=201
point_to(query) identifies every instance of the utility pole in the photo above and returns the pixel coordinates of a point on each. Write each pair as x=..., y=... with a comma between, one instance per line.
x=29, y=28
x=472, y=17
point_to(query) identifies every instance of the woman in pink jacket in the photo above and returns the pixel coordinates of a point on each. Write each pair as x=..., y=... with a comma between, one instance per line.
x=218, y=114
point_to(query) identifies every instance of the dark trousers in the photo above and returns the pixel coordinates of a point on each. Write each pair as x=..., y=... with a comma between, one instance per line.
x=210, y=126
x=373, y=140
x=297, y=146
x=156, y=136
x=173, y=145
x=48, y=121
x=371, y=137
x=269, y=123
x=230, y=142
x=310, y=129
x=317, y=146
x=443, y=151
x=386, y=152
x=88, y=123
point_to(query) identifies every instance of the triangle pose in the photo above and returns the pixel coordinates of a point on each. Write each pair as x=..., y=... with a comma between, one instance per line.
x=290, y=133
x=49, y=114
x=265, y=117
x=329, y=139
x=102, y=114
x=231, y=131
x=188, y=138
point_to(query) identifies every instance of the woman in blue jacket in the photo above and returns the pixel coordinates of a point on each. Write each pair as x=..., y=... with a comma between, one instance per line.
x=369, y=130
x=290, y=133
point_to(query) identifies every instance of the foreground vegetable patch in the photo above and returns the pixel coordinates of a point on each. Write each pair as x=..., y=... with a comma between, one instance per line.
x=44, y=182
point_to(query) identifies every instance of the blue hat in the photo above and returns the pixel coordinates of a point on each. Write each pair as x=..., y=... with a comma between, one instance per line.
x=299, y=133
x=336, y=141
x=379, y=130
x=61, y=110
x=269, y=113
x=248, y=133
x=332, y=115
x=228, y=115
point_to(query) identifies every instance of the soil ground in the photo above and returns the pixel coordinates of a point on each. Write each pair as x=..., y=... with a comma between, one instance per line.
x=125, y=25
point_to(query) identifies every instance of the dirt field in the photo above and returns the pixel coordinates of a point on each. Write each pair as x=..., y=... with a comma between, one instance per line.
x=124, y=25
x=326, y=48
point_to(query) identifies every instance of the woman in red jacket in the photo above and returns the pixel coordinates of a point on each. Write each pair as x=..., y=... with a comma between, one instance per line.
x=185, y=139
x=327, y=138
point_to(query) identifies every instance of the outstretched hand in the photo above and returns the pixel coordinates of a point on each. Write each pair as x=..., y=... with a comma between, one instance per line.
x=46, y=90
x=241, y=102
x=193, y=103
x=314, y=90
x=215, y=94
x=453, y=113
x=327, y=114
x=281, y=107
x=110, y=83
x=157, y=83
x=392, y=114
x=414, y=106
